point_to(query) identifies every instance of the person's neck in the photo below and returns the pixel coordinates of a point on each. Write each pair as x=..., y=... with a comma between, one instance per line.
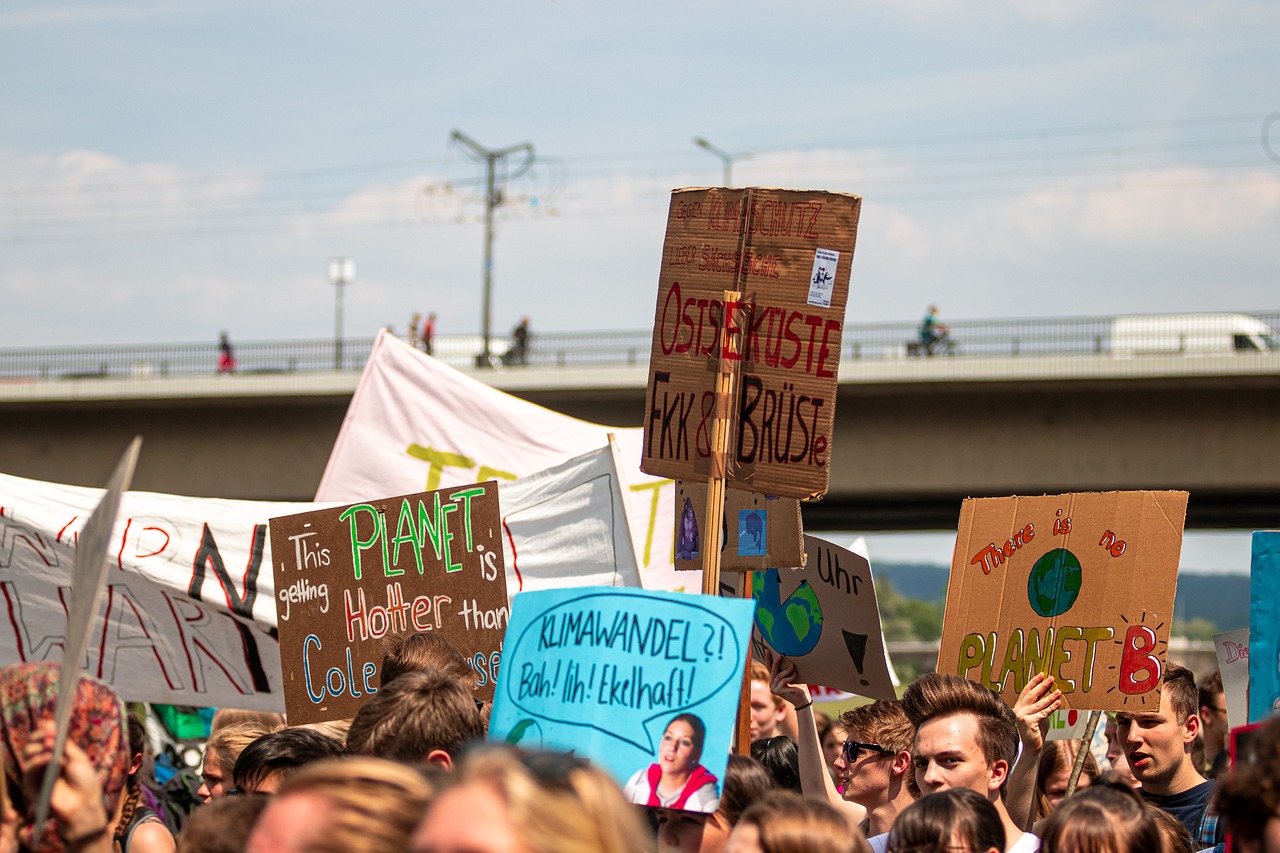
x=880, y=818
x=1012, y=832
x=1183, y=779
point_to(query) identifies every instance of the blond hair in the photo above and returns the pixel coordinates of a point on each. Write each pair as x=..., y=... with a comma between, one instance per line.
x=558, y=804
x=372, y=805
x=229, y=741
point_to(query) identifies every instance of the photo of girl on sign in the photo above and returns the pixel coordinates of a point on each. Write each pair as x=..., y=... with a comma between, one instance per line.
x=676, y=780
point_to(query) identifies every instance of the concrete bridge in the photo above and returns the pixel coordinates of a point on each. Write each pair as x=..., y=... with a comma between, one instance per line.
x=914, y=435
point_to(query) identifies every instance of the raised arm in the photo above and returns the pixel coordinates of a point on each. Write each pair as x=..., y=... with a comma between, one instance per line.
x=1035, y=703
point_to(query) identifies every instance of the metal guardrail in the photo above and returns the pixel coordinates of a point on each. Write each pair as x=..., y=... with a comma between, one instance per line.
x=1187, y=334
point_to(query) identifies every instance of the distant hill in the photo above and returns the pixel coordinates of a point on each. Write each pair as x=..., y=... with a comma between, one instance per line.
x=1221, y=599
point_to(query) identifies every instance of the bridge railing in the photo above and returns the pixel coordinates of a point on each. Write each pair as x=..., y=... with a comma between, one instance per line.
x=1059, y=337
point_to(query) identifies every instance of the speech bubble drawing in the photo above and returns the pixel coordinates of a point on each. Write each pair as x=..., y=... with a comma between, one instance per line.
x=599, y=661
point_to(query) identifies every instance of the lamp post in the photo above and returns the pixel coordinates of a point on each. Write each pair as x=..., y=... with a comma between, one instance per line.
x=342, y=271
x=724, y=156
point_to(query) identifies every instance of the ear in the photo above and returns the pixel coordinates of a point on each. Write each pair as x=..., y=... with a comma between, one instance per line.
x=999, y=773
x=135, y=764
x=440, y=759
x=1192, y=729
x=901, y=764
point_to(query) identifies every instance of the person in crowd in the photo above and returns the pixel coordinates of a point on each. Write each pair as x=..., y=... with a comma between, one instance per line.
x=1057, y=759
x=413, y=329
x=429, y=334
x=933, y=332
x=745, y=782
x=785, y=822
x=136, y=827
x=1119, y=771
x=226, y=358
x=267, y=762
x=504, y=800
x=966, y=737
x=832, y=736
x=873, y=781
x=677, y=779
x=957, y=820
x=220, y=753
x=422, y=651
x=91, y=776
x=519, y=351
x=343, y=805
x=781, y=758
x=1157, y=745
x=768, y=710
x=222, y=826
x=419, y=717
x=269, y=720
x=1213, y=730
x=1103, y=818
x=1249, y=798
x=1173, y=835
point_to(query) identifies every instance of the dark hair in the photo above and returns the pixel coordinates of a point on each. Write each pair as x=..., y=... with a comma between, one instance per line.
x=422, y=651
x=1209, y=688
x=222, y=825
x=1179, y=683
x=933, y=696
x=1250, y=794
x=281, y=752
x=781, y=759
x=789, y=823
x=414, y=715
x=699, y=736
x=930, y=823
x=745, y=781
x=1102, y=818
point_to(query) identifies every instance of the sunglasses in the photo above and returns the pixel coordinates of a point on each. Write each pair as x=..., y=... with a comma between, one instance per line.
x=850, y=749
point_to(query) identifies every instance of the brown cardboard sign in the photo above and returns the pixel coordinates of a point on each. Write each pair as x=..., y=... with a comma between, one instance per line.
x=760, y=531
x=1079, y=585
x=824, y=618
x=789, y=254
x=347, y=577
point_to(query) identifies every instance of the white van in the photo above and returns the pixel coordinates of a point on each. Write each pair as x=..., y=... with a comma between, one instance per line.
x=1191, y=334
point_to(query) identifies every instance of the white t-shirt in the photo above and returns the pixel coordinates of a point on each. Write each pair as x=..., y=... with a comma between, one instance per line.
x=1028, y=843
x=879, y=843
x=703, y=800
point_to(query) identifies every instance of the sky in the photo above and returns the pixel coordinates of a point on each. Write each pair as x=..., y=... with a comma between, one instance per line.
x=169, y=170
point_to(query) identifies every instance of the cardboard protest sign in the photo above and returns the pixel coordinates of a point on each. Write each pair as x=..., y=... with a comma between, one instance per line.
x=824, y=618
x=1079, y=586
x=611, y=673
x=1264, y=626
x=1233, y=663
x=760, y=531
x=346, y=577
x=789, y=254
x=415, y=423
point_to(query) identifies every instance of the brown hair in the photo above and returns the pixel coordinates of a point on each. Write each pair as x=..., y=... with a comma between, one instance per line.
x=1103, y=818
x=1179, y=685
x=790, y=823
x=1056, y=755
x=934, y=695
x=1209, y=688
x=930, y=823
x=415, y=714
x=745, y=781
x=223, y=717
x=422, y=651
x=373, y=805
x=1250, y=794
x=883, y=722
x=1174, y=837
x=221, y=825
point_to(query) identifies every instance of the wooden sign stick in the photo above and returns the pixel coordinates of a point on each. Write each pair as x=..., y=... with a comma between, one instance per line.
x=714, y=517
x=1085, y=743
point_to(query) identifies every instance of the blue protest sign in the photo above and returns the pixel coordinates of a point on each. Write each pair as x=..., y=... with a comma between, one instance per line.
x=644, y=684
x=1264, y=626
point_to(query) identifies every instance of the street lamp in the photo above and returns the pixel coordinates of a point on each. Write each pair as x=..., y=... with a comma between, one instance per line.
x=341, y=271
x=724, y=157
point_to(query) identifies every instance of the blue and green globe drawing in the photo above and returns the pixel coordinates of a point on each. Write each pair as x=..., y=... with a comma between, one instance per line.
x=790, y=627
x=1054, y=583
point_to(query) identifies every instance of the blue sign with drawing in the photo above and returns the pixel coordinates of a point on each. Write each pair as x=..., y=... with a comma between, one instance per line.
x=644, y=684
x=1264, y=626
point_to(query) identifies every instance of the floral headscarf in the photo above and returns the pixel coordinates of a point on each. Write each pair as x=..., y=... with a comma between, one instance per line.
x=28, y=696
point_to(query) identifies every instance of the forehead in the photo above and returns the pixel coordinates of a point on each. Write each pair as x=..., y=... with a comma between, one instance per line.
x=1164, y=713
x=679, y=728
x=952, y=733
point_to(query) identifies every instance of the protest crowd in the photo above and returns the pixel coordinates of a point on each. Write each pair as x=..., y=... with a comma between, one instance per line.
x=948, y=767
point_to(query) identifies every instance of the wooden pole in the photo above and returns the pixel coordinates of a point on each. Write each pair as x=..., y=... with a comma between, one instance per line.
x=742, y=735
x=1085, y=744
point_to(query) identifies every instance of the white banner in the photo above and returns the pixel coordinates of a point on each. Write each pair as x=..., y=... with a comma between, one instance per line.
x=189, y=615
x=415, y=423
